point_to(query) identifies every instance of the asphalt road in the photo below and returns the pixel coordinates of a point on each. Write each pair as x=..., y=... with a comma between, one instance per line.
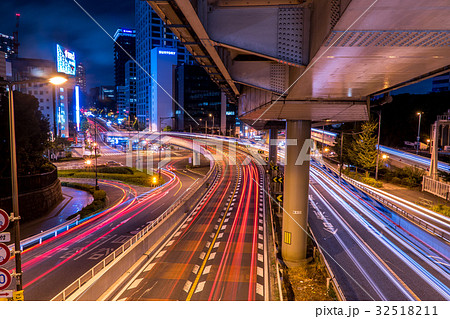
x=50, y=267
x=219, y=252
x=374, y=254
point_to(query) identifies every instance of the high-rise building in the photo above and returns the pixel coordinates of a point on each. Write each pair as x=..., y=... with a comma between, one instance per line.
x=121, y=101
x=130, y=88
x=81, y=77
x=103, y=98
x=54, y=101
x=7, y=45
x=124, y=50
x=150, y=33
x=441, y=83
x=199, y=97
x=164, y=62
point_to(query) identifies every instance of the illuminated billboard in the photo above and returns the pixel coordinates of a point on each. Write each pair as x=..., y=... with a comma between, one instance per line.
x=65, y=60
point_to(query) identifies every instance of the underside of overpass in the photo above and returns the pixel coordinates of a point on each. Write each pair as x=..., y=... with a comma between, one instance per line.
x=309, y=63
x=315, y=60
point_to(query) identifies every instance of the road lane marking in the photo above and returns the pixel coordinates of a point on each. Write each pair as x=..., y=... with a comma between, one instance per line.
x=196, y=268
x=135, y=283
x=149, y=267
x=187, y=286
x=200, y=286
x=260, y=271
x=161, y=253
x=207, y=270
x=197, y=278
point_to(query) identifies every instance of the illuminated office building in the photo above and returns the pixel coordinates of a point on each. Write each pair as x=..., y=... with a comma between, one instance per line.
x=151, y=33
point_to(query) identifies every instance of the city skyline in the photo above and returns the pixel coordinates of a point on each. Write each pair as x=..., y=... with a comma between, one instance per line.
x=63, y=22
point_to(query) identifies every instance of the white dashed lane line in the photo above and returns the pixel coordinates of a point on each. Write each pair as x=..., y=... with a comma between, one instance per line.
x=135, y=283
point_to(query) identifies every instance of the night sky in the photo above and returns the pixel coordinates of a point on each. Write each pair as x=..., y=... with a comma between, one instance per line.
x=43, y=23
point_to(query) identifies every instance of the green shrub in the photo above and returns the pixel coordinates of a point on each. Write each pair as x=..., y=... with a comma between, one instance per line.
x=372, y=182
x=441, y=209
x=47, y=167
x=116, y=170
x=99, y=195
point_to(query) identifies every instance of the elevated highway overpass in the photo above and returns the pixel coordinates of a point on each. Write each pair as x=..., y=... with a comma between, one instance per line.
x=309, y=62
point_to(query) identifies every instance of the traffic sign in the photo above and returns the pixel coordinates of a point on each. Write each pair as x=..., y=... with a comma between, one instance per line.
x=274, y=167
x=5, y=278
x=260, y=152
x=277, y=179
x=5, y=237
x=4, y=220
x=6, y=294
x=18, y=295
x=280, y=197
x=5, y=254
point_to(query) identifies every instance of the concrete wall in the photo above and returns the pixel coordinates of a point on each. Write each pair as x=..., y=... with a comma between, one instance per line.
x=35, y=204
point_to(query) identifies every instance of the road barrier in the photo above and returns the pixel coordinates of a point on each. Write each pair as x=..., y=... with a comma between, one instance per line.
x=104, y=274
x=437, y=188
x=53, y=232
x=410, y=217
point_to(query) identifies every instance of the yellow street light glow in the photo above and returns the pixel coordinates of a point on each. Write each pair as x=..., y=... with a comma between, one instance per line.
x=88, y=162
x=57, y=80
x=326, y=149
x=154, y=180
x=384, y=156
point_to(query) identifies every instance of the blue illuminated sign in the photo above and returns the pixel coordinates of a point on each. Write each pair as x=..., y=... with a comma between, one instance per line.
x=127, y=31
x=65, y=60
x=77, y=106
x=229, y=112
x=166, y=52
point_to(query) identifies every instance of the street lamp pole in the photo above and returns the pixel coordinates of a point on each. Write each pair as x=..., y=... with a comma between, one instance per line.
x=15, y=190
x=95, y=154
x=418, y=133
x=378, y=145
x=15, y=216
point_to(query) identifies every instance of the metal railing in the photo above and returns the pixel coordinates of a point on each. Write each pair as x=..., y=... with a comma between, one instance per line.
x=52, y=232
x=410, y=217
x=28, y=183
x=434, y=187
x=77, y=284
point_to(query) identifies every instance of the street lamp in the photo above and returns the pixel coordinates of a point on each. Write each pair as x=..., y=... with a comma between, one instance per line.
x=418, y=132
x=212, y=129
x=15, y=217
x=378, y=144
x=160, y=142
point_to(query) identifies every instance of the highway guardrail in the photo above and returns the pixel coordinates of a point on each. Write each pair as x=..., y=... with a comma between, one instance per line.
x=412, y=218
x=53, y=232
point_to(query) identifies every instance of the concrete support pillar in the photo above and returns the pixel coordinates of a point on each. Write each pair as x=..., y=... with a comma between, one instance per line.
x=295, y=198
x=223, y=114
x=273, y=136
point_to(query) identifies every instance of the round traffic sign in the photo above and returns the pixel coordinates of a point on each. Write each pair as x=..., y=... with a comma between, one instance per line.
x=5, y=254
x=5, y=278
x=4, y=220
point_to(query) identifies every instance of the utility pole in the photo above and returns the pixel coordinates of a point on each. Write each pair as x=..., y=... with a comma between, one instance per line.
x=95, y=152
x=15, y=191
x=378, y=145
x=418, y=133
x=341, y=161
